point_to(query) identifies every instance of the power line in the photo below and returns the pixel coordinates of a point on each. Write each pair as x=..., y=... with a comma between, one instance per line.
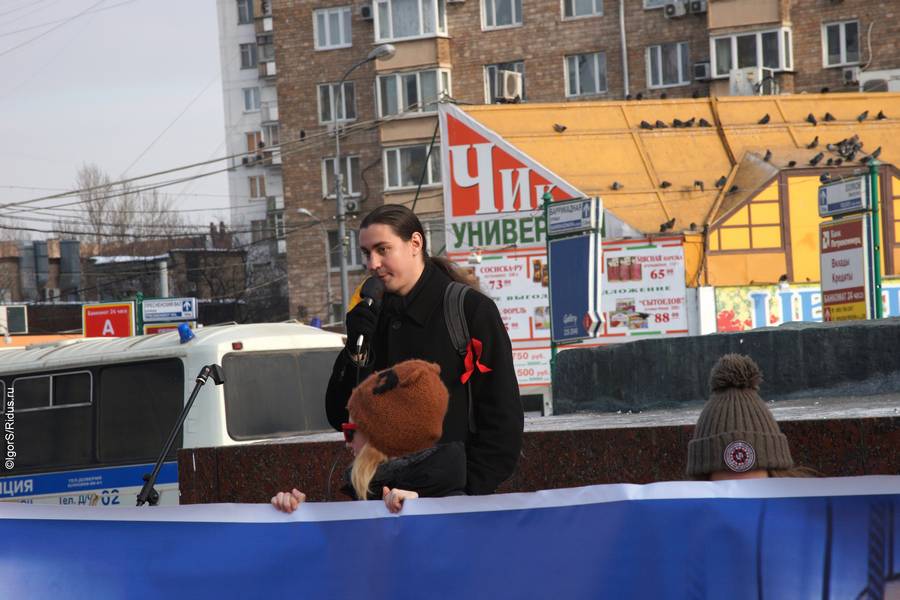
x=38, y=26
x=51, y=30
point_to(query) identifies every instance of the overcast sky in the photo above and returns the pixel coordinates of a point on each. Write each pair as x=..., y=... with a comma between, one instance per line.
x=101, y=87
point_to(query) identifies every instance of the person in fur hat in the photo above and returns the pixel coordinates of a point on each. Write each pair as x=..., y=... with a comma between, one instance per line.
x=396, y=420
x=736, y=436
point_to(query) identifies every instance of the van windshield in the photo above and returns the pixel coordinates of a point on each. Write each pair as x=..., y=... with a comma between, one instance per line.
x=276, y=393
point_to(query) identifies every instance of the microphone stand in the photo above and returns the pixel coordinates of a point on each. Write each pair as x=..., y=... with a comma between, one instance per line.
x=149, y=493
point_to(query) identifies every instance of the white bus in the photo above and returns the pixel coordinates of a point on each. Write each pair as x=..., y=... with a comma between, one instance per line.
x=84, y=419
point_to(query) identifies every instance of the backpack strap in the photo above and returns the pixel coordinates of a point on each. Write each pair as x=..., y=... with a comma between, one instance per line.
x=455, y=318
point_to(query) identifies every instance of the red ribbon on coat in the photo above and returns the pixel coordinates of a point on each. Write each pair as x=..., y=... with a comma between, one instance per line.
x=473, y=360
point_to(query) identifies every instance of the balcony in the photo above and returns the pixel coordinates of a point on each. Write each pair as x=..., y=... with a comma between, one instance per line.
x=269, y=112
x=267, y=69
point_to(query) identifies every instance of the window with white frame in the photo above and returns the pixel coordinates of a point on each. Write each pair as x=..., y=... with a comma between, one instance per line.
x=332, y=28
x=501, y=13
x=248, y=56
x=840, y=43
x=769, y=49
x=492, y=82
x=574, y=9
x=668, y=65
x=586, y=74
x=398, y=19
x=278, y=224
x=412, y=92
x=350, y=176
x=272, y=134
x=648, y=4
x=405, y=166
x=245, y=11
x=251, y=99
x=335, y=247
x=257, y=185
x=346, y=110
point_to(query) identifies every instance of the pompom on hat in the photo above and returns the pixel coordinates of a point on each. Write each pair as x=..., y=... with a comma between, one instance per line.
x=736, y=430
x=401, y=409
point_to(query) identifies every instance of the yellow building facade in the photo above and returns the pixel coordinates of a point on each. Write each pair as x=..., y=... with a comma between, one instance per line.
x=737, y=177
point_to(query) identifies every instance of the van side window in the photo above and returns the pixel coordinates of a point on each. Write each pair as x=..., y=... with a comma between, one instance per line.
x=54, y=424
x=32, y=392
x=276, y=394
x=139, y=403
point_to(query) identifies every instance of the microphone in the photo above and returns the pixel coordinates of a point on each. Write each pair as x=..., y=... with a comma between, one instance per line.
x=371, y=293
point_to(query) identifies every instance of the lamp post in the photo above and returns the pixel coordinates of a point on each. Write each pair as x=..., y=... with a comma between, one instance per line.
x=382, y=52
x=304, y=211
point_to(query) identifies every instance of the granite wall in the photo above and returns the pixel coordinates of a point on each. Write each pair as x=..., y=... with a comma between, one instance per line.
x=796, y=359
x=550, y=459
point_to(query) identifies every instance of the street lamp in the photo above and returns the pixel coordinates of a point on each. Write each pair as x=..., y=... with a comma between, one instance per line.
x=303, y=211
x=382, y=52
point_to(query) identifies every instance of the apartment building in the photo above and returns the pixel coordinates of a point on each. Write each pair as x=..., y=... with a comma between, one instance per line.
x=256, y=197
x=485, y=51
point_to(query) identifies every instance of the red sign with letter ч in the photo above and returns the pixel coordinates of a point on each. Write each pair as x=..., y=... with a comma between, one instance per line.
x=108, y=320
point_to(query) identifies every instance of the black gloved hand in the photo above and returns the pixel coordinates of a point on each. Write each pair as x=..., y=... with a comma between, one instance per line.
x=361, y=321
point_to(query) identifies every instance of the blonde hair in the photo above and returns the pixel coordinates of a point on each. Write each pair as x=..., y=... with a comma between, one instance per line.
x=364, y=466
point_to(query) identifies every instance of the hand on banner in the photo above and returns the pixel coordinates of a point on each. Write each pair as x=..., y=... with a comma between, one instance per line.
x=393, y=498
x=288, y=501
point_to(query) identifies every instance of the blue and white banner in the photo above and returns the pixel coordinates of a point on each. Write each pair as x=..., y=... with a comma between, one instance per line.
x=775, y=538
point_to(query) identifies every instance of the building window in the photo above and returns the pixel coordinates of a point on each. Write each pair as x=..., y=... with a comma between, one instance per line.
x=502, y=13
x=840, y=43
x=248, y=56
x=398, y=19
x=254, y=140
x=257, y=186
x=265, y=45
x=768, y=49
x=332, y=28
x=573, y=9
x=411, y=92
x=404, y=167
x=245, y=11
x=278, y=224
x=586, y=74
x=349, y=173
x=648, y=4
x=251, y=99
x=668, y=65
x=346, y=110
x=492, y=79
x=354, y=258
x=272, y=135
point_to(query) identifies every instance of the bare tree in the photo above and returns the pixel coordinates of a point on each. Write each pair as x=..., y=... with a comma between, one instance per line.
x=118, y=215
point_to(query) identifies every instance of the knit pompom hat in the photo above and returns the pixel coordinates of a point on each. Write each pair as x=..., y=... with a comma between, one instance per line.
x=736, y=431
x=401, y=409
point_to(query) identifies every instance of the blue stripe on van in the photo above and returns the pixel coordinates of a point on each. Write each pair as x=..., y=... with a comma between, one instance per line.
x=84, y=479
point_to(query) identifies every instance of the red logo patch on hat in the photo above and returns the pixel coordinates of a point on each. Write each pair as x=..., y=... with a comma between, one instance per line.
x=740, y=456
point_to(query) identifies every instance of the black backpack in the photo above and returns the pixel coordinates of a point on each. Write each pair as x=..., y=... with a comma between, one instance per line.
x=455, y=318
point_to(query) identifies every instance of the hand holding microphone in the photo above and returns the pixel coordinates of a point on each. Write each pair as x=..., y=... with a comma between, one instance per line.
x=362, y=320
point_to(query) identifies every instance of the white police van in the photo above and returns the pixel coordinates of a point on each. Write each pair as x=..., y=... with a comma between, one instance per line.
x=84, y=419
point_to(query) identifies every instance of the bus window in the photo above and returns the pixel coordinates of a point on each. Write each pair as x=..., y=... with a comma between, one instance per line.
x=138, y=405
x=276, y=394
x=48, y=435
x=72, y=389
x=32, y=392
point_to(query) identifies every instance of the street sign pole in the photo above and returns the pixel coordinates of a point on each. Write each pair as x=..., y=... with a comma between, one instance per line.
x=139, y=313
x=548, y=198
x=874, y=222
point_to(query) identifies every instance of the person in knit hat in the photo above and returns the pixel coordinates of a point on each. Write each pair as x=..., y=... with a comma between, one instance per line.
x=736, y=436
x=396, y=420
